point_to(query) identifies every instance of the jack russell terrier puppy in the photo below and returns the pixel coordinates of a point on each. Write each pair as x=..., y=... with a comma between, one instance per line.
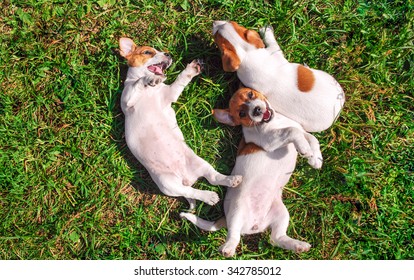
x=266, y=159
x=151, y=130
x=310, y=97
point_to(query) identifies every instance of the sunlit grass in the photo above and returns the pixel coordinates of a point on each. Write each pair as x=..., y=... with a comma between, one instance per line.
x=70, y=189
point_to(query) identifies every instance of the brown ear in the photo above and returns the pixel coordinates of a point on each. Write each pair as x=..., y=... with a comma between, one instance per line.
x=230, y=60
x=126, y=46
x=223, y=116
x=254, y=38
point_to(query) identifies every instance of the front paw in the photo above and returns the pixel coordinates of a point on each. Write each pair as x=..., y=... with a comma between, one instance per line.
x=235, y=181
x=209, y=197
x=304, y=150
x=314, y=157
x=315, y=161
x=195, y=67
x=155, y=81
x=152, y=81
x=264, y=29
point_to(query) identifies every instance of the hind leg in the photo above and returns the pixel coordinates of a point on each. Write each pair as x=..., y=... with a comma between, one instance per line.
x=172, y=185
x=278, y=236
x=234, y=225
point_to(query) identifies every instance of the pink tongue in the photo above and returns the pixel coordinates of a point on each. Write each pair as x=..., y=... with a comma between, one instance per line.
x=266, y=115
x=155, y=69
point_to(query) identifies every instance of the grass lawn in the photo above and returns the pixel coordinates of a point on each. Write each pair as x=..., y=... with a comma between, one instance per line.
x=70, y=189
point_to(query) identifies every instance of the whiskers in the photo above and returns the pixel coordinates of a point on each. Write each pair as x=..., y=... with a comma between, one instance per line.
x=251, y=123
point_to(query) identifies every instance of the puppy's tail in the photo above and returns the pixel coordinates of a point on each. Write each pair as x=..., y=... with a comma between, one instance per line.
x=204, y=224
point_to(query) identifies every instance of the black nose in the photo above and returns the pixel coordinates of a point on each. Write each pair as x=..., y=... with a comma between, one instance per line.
x=257, y=111
x=167, y=54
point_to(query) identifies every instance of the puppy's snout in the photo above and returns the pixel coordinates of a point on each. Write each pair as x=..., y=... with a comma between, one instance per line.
x=217, y=24
x=167, y=55
x=257, y=111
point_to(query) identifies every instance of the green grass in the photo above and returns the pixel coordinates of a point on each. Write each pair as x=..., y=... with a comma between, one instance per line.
x=70, y=189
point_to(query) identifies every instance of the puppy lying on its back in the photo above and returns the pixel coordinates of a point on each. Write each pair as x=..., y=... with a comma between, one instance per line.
x=266, y=163
x=151, y=129
x=308, y=96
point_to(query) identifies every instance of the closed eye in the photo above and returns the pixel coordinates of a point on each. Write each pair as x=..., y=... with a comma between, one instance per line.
x=148, y=53
x=242, y=114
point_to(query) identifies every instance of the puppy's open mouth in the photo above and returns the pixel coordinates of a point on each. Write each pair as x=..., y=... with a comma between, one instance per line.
x=267, y=116
x=158, y=69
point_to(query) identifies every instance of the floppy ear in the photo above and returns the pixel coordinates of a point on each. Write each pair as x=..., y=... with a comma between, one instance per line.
x=127, y=46
x=230, y=60
x=223, y=116
x=254, y=38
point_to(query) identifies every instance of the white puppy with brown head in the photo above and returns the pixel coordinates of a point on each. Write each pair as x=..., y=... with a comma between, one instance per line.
x=266, y=163
x=151, y=129
x=311, y=97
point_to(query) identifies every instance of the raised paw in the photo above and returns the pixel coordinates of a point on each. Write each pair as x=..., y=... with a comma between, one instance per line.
x=153, y=80
x=264, y=29
x=315, y=161
x=211, y=198
x=234, y=181
x=196, y=66
x=199, y=64
x=305, y=151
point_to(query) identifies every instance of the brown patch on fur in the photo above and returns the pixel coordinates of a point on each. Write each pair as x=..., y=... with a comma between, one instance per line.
x=238, y=105
x=229, y=58
x=247, y=148
x=241, y=144
x=306, y=79
x=140, y=55
x=250, y=36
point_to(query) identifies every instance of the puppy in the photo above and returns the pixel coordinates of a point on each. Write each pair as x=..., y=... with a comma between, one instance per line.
x=151, y=129
x=311, y=97
x=266, y=163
